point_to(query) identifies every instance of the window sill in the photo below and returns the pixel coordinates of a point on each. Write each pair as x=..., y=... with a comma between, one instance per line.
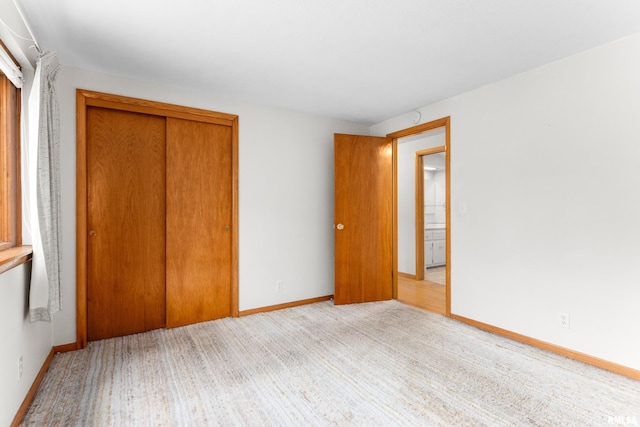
x=13, y=257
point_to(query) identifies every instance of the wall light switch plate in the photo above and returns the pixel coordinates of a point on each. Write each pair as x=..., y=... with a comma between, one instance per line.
x=565, y=320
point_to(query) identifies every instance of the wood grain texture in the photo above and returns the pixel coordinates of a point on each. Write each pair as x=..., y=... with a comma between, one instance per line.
x=199, y=219
x=6, y=165
x=13, y=257
x=419, y=205
x=423, y=294
x=425, y=127
x=126, y=223
x=285, y=305
x=447, y=130
x=81, y=220
x=85, y=100
x=235, y=212
x=394, y=221
x=10, y=189
x=124, y=103
x=65, y=348
x=364, y=204
x=419, y=173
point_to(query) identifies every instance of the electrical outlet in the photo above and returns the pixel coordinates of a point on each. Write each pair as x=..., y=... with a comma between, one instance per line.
x=564, y=320
x=20, y=367
x=279, y=286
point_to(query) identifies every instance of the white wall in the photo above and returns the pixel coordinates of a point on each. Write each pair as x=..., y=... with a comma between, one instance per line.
x=407, y=195
x=285, y=185
x=545, y=205
x=19, y=337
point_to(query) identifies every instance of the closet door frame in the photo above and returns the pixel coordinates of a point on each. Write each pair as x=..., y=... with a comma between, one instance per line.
x=85, y=99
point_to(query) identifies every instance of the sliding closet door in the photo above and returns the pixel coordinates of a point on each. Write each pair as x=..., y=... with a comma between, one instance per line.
x=125, y=223
x=199, y=219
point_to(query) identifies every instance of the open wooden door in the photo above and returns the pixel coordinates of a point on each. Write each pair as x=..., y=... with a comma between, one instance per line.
x=363, y=218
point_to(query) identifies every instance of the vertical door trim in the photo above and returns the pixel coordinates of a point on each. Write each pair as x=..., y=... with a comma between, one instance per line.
x=235, y=311
x=85, y=99
x=419, y=217
x=420, y=206
x=446, y=123
x=81, y=220
x=394, y=216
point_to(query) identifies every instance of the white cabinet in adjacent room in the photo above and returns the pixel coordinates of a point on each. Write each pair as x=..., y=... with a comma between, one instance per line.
x=439, y=252
x=428, y=253
x=435, y=248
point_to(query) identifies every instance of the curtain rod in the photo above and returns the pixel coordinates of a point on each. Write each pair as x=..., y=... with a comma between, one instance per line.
x=26, y=24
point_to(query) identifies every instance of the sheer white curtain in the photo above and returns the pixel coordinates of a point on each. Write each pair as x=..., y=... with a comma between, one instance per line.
x=44, y=135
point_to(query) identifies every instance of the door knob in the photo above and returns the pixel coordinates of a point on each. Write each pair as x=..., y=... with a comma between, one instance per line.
x=92, y=233
x=227, y=227
x=340, y=226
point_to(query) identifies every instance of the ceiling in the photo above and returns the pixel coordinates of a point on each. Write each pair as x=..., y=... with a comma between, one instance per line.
x=358, y=60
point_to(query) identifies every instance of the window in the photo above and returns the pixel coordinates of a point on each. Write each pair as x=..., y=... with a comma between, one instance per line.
x=12, y=252
x=10, y=199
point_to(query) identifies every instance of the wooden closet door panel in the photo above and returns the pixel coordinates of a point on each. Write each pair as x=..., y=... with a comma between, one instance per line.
x=126, y=223
x=199, y=189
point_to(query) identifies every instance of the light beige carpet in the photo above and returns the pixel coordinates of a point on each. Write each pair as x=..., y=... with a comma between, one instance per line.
x=377, y=364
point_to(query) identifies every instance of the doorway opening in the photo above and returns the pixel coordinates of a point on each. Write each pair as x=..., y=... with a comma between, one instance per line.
x=422, y=218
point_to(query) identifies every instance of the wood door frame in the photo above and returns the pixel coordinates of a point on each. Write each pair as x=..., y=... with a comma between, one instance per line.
x=420, y=205
x=85, y=99
x=414, y=130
